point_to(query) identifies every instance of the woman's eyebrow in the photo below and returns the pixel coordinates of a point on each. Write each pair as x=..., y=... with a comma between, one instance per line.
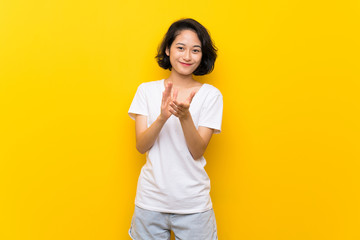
x=184, y=45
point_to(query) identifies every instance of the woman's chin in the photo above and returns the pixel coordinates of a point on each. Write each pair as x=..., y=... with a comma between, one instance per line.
x=184, y=73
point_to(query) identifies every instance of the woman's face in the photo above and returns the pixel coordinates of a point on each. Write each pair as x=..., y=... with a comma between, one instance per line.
x=185, y=53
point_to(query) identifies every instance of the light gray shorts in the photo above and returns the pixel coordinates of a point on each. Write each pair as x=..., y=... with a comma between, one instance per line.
x=148, y=225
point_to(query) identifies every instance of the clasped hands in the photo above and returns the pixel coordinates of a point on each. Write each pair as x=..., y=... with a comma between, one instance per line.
x=170, y=106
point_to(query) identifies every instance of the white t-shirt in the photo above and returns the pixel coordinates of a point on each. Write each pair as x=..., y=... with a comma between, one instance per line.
x=171, y=180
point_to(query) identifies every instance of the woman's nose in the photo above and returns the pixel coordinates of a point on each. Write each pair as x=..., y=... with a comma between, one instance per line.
x=187, y=56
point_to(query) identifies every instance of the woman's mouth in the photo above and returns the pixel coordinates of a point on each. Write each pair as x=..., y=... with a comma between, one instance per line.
x=185, y=64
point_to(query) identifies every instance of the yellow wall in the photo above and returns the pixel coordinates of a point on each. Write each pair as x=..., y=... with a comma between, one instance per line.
x=285, y=167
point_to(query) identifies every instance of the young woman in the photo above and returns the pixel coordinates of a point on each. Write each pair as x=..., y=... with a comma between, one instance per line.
x=174, y=121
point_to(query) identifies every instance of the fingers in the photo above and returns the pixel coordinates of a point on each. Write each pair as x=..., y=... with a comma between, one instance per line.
x=176, y=107
x=179, y=109
x=187, y=102
x=163, y=100
x=173, y=112
x=189, y=99
x=169, y=85
x=179, y=105
x=175, y=94
x=168, y=88
x=167, y=92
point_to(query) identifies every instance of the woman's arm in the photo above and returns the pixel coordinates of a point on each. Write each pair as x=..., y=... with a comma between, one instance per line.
x=145, y=137
x=197, y=140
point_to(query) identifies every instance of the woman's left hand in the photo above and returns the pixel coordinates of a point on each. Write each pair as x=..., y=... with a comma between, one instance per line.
x=181, y=110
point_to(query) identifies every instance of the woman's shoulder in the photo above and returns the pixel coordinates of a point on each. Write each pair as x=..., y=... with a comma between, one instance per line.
x=211, y=90
x=150, y=84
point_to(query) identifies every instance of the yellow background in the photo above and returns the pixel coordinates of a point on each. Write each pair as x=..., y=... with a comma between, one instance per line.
x=285, y=167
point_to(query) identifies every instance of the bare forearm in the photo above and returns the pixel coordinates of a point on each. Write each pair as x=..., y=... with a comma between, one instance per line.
x=146, y=136
x=146, y=139
x=194, y=141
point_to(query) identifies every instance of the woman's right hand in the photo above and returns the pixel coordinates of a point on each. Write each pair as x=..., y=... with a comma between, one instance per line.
x=165, y=103
x=146, y=136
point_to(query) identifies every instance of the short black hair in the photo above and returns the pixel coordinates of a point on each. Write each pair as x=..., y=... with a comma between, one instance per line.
x=208, y=48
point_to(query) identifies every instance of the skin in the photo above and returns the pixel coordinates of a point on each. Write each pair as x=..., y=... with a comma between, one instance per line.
x=180, y=89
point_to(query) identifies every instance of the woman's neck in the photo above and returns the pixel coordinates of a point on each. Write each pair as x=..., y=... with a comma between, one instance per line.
x=181, y=81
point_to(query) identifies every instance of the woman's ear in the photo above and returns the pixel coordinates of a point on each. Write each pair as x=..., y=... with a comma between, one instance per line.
x=167, y=52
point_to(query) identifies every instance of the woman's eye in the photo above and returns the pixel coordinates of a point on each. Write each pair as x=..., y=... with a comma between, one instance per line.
x=196, y=50
x=181, y=48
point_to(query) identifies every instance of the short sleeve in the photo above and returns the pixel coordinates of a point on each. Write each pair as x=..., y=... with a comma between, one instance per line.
x=211, y=114
x=139, y=103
